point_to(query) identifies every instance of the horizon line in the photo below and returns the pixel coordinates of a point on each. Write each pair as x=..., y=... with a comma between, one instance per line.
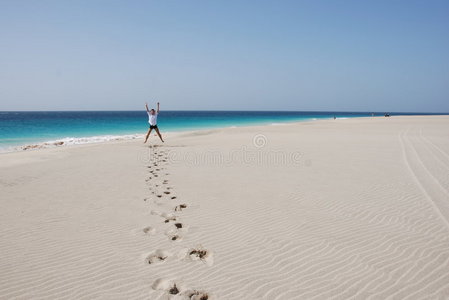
x=233, y=110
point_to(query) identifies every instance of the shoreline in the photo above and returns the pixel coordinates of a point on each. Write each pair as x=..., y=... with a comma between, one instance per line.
x=97, y=139
x=94, y=139
x=100, y=139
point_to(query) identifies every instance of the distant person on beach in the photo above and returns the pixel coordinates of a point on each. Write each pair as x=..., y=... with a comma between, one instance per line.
x=152, y=119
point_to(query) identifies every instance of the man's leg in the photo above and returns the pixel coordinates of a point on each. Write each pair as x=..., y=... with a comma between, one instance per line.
x=159, y=134
x=148, y=134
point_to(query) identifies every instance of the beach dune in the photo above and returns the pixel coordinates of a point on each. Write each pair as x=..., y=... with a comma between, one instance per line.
x=330, y=209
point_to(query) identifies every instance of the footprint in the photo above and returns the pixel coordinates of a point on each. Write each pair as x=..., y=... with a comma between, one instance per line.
x=197, y=254
x=149, y=230
x=168, y=217
x=180, y=207
x=167, y=220
x=158, y=256
x=180, y=227
x=171, y=287
x=178, y=288
x=173, y=198
x=175, y=237
x=166, y=192
x=197, y=295
x=177, y=233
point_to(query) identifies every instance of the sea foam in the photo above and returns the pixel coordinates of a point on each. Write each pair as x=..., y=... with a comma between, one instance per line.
x=70, y=141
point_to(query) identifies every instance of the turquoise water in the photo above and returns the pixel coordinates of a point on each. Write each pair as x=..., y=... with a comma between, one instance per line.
x=24, y=128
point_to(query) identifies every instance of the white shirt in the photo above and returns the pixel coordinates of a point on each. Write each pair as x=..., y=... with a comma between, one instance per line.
x=152, y=119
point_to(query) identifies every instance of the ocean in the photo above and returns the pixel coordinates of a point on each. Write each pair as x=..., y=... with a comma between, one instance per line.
x=19, y=130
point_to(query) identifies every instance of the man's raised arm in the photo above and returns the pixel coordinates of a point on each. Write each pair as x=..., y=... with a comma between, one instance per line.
x=158, y=107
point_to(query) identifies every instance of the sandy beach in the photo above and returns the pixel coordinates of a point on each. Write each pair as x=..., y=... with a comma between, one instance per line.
x=331, y=209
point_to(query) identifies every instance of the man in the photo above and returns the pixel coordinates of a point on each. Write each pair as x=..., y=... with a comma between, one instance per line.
x=152, y=119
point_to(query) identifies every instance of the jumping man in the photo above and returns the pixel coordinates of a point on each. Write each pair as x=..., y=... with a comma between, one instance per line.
x=152, y=119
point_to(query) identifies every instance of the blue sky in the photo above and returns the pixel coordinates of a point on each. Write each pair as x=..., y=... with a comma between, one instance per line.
x=225, y=55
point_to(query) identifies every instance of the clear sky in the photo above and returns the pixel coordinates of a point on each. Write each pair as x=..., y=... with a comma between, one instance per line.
x=225, y=55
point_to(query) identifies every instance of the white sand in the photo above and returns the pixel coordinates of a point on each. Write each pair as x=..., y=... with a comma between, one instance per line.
x=341, y=209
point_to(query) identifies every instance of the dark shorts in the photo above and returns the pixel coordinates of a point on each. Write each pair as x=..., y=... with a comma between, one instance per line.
x=153, y=126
